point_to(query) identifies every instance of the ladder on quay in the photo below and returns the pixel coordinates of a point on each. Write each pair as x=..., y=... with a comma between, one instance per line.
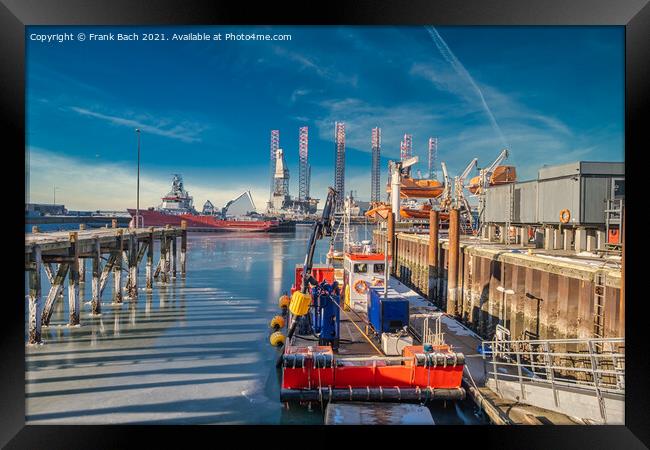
x=614, y=221
x=599, y=308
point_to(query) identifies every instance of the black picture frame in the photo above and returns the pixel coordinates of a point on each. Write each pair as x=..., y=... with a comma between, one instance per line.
x=634, y=15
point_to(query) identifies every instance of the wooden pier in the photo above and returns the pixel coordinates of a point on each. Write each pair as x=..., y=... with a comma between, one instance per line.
x=64, y=254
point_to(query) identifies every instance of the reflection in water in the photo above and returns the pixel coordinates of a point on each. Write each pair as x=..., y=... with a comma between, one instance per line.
x=148, y=302
x=277, y=269
x=194, y=351
x=117, y=312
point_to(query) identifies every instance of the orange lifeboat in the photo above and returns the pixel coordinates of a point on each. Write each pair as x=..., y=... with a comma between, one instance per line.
x=379, y=211
x=415, y=188
x=501, y=175
x=382, y=210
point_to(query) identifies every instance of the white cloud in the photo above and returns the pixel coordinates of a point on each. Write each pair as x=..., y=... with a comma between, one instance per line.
x=316, y=67
x=422, y=121
x=184, y=131
x=83, y=185
x=297, y=93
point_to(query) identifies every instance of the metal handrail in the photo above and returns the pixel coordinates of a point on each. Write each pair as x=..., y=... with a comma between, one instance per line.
x=536, y=361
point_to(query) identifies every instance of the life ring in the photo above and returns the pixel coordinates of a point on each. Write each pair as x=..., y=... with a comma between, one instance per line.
x=565, y=216
x=361, y=286
x=377, y=282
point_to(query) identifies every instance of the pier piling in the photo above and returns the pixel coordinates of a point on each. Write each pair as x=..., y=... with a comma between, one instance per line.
x=82, y=261
x=163, y=264
x=133, y=267
x=74, y=301
x=117, y=267
x=183, y=246
x=95, y=299
x=35, y=297
x=149, y=268
x=452, y=270
x=434, y=226
x=173, y=257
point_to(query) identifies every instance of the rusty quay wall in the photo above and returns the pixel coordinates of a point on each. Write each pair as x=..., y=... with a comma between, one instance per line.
x=553, y=298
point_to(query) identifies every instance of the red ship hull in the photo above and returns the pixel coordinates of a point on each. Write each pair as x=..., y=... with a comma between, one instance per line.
x=208, y=223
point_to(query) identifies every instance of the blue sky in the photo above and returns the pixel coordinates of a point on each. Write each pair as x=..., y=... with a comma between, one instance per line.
x=206, y=108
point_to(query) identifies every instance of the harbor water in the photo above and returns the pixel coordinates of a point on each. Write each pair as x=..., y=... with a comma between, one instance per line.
x=194, y=351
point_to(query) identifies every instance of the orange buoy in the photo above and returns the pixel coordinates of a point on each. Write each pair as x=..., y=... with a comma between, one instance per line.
x=284, y=301
x=277, y=322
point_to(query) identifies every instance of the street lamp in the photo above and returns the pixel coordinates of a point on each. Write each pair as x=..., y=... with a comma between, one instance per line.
x=137, y=205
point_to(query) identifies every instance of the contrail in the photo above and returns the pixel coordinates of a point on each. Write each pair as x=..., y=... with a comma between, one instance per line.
x=449, y=56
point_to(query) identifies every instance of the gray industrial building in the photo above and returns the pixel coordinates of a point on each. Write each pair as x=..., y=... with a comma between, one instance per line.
x=583, y=188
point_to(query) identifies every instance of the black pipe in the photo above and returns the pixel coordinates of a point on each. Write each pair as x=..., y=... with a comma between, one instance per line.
x=371, y=394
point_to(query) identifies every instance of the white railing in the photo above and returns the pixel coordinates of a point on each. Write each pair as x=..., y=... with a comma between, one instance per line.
x=596, y=365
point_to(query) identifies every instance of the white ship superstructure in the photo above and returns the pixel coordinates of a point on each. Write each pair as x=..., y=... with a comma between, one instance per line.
x=178, y=200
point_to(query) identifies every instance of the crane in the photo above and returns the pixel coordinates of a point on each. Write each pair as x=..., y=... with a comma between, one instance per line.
x=322, y=227
x=459, y=199
x=485, y=174
x=397, y=170
x=445, y=198
x=467, y=170
x=479, y=184
x=459, y=183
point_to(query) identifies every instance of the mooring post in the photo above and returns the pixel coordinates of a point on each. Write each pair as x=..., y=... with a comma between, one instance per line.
x=95, y=301
x=174, y=256
x=433, y=252
x=74, y=303
x=133, y=266
x=390, y=236
x=149, y=269
x=82, y=261
x=452, y=270
x=117, y=267
x=35, y=296
x=183, y=246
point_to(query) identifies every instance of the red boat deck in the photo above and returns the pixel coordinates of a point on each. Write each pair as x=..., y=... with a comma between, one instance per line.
x=358, y=371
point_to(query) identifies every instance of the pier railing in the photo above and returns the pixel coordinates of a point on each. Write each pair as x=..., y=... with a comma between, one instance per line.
x=593, y=365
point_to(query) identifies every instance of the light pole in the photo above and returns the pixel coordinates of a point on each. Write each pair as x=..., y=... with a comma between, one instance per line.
x=54, y=190
x=137, y=204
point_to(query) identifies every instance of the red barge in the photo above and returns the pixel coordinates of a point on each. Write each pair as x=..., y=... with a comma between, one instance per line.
x=339, y=345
